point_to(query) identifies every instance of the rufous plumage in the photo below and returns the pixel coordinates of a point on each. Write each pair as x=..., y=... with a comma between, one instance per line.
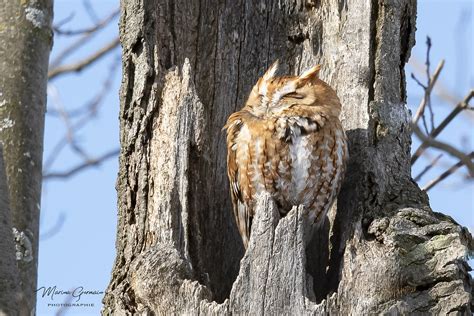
x=288, y=141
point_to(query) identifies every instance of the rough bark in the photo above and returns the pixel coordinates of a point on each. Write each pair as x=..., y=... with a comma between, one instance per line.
x=25, y=44
x=188, y=65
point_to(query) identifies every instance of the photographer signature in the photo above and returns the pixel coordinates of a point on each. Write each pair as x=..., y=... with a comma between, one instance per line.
x=75, y=293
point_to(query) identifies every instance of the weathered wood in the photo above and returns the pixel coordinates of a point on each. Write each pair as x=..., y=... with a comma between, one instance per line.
x=25, y=43
x=187, y=66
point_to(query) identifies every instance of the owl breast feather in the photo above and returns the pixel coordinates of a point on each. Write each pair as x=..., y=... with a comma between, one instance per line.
x=296, y=164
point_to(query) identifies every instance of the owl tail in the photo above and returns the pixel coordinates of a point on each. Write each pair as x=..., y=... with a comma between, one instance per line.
x=244, y=222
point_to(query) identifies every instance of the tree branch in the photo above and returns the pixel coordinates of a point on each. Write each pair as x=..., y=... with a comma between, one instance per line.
x=55, y=229
x=92, y=29
x=434, y=133
x=444, y=147
x=446, y=174
x=429, y=88
x=91, y=107
x=74, y=46
x=53, y=73
x=428, y=168
x=440, y=89
x=88, y=163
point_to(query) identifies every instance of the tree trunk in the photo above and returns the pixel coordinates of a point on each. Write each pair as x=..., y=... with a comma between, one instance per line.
x=25, y=43
x=187, y=65
x=10, y=292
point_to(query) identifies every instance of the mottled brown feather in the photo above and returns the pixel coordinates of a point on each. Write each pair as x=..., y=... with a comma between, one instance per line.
x=287, y=141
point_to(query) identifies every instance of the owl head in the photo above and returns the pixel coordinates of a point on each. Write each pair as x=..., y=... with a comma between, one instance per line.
x=273, y=95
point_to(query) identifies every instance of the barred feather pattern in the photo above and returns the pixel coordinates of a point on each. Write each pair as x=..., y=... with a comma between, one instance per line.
x=293, y=150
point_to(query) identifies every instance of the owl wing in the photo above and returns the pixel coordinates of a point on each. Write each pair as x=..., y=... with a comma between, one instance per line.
x=240, y=208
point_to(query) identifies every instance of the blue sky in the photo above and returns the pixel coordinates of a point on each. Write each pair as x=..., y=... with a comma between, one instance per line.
x=82, y=251
x=449, y=25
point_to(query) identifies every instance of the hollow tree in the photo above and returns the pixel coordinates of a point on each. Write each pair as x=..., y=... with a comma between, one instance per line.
x=186, y=66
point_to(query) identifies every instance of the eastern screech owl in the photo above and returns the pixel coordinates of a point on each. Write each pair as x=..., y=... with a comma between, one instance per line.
x=288, y=141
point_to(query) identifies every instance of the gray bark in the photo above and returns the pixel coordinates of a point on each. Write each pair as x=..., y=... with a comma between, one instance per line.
x=187, y=65
x=25, y=44
x=11, y=296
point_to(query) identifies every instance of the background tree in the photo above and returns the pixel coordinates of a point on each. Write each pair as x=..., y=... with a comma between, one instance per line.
x=384, y=250
x=25, y=42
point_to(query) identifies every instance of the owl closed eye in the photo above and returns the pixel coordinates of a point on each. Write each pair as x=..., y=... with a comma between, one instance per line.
x=288, y=141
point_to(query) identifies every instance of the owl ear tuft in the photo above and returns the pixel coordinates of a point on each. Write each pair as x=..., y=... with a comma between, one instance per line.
x=309, y=74
x=271, y=71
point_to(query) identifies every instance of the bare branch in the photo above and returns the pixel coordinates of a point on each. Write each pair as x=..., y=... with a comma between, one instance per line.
x=428, y=75
x=93, y=104
x=92, y=29
x=85, y=113
x=86, y=164
x=428, y=167
x=71, y=49
x=85, y=62
x=427, y=62
x=464, y=104
x=447, y=173
x=55, y=229
x=64, y=21
x=80, y=42
x=90, y=10
x=466, y=160
x=54, y=153
x=418, y=81
x=429, y=88
x=440, y=89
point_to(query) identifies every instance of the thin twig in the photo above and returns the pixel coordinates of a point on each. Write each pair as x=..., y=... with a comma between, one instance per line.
x=91, y=107
x=88, y=111
x=86, y=164
x=459, y=108
x=429, y=88
x=428, y=75
x=418, y=81
x=85, y=62
x=85, y=114
x=464, y=104
x=56, y=101
x=55, y=229
x=90, y=10
x=64, y=21
x=92, y=29
x=423, y=118
x=428, y=167
x=444, y=147
x=447, y=173
x=78, y=43
x=440, y=89
x=71, y=49
x=55, y=153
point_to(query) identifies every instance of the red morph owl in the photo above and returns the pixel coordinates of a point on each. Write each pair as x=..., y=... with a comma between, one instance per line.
x=288, y=141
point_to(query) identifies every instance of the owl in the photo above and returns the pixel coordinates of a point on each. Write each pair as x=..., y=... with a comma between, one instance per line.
x=288, y=141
